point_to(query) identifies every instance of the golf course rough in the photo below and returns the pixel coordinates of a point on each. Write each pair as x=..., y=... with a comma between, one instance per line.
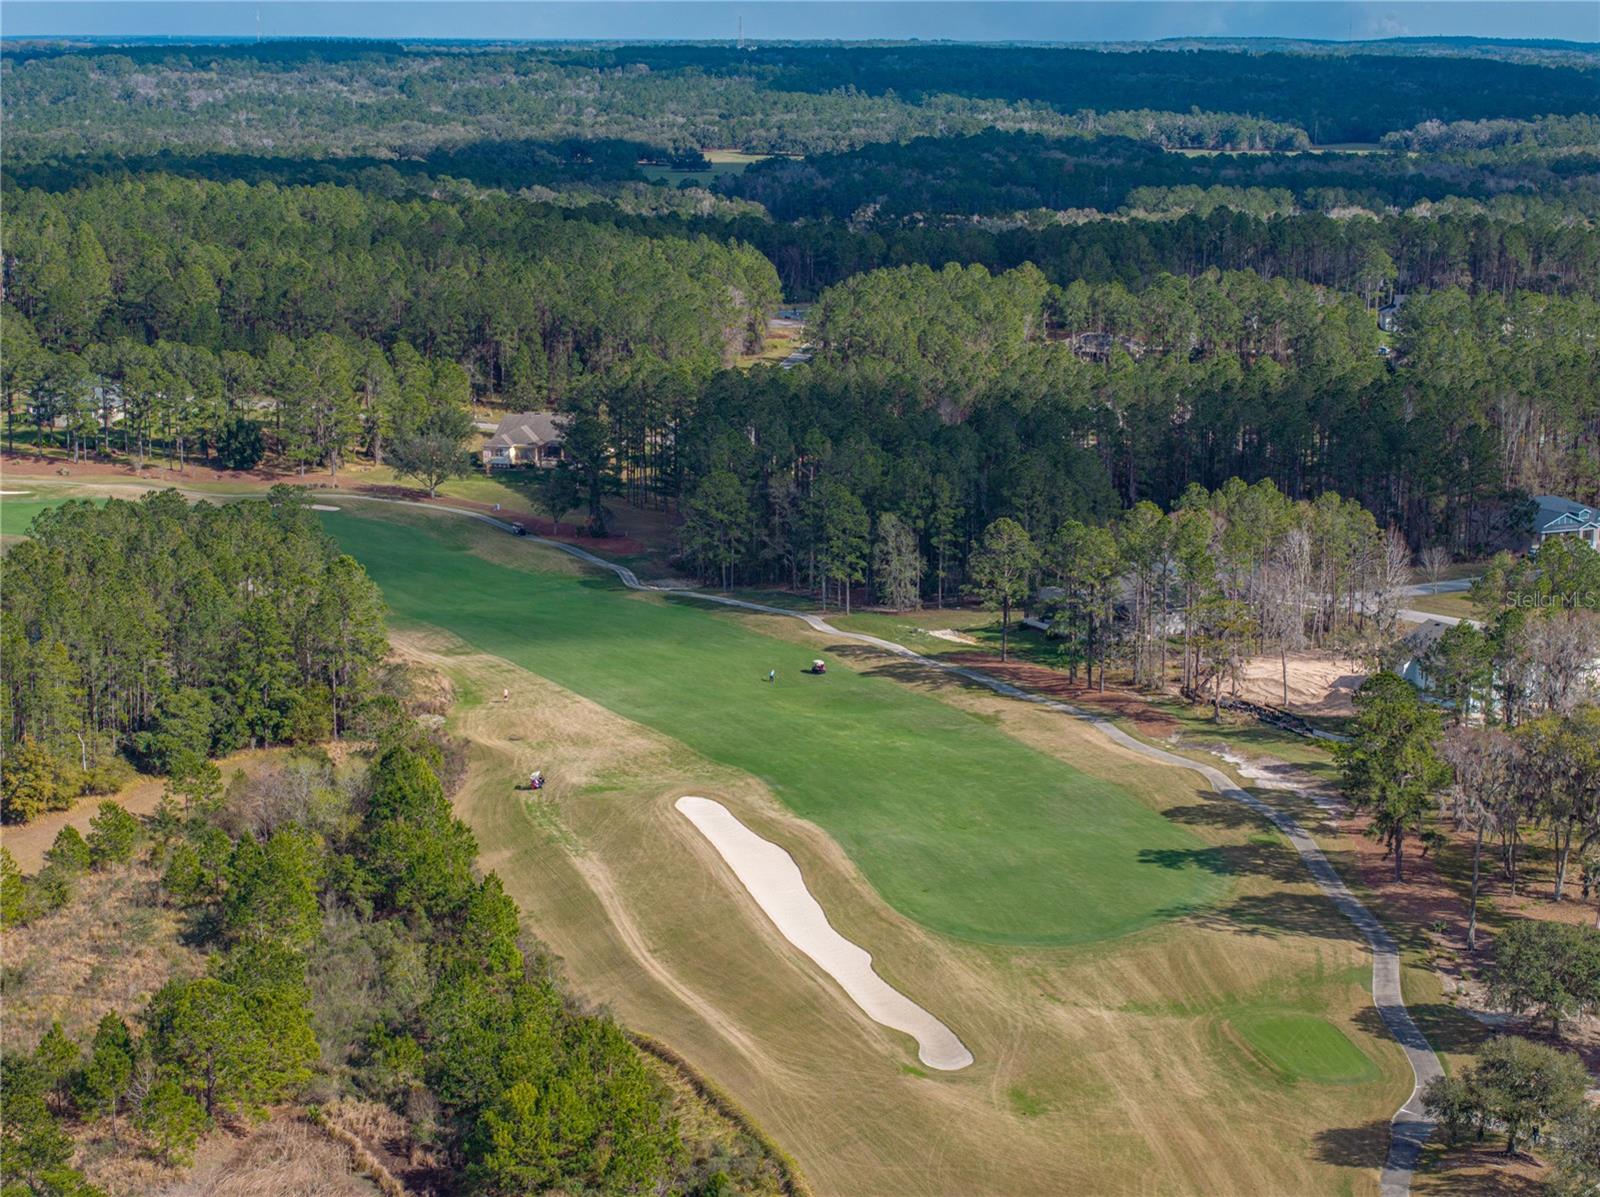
x=959, y=826
x=774, y=880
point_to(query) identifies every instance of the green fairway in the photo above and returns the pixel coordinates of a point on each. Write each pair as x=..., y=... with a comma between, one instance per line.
x=957, y=824
x=17, y=511
x=1304, y=1046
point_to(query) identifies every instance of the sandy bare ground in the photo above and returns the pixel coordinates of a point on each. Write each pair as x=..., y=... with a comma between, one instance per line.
x=1317, y=685
x=774, y=881
x=28, y=842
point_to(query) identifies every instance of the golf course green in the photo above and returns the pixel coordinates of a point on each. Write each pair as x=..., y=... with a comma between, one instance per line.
x=958, y=825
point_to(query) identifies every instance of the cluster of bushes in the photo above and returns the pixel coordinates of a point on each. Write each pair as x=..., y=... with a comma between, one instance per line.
x=351, y=950
x=113, y=836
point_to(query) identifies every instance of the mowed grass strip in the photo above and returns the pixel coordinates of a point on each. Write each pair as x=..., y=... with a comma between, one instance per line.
x=958, y=825
x=1304, y=1047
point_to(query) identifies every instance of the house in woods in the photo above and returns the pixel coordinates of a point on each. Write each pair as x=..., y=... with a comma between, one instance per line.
x=529, y=438
x=1555, y=516
x=1389, y=314
x=1413, y=651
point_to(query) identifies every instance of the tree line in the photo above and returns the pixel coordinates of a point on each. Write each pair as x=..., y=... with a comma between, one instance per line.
x=174, y=633
x=348, y=944
x=1003, y=173
x=1196, y=380
x=1500, y=245
x=523, y=301
x=791, y=98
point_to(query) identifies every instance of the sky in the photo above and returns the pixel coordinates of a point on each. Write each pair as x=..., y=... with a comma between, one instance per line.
x=959, y=20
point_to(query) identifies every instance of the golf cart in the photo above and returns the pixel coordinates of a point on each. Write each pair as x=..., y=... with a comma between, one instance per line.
x=518, y=530
x=818, y=667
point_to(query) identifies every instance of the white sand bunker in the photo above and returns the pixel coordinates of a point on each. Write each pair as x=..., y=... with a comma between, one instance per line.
x=774, y=881
x=322, y=507
x=15, y=492
x=949, y=634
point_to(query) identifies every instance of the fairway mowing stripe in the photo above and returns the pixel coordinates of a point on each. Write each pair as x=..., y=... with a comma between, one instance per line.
x=1410, y=1127
x=772, y=878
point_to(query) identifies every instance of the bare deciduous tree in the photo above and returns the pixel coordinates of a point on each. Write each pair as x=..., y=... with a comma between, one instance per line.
x=1434, y=561
x=1281, y=611
x=1479, y=797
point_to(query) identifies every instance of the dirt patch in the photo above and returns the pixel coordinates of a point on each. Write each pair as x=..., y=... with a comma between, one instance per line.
x=1317, y=685
x=28, y=842
x=1116, y=704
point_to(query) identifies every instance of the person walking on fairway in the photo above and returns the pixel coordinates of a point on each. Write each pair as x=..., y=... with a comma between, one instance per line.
x=772, y=675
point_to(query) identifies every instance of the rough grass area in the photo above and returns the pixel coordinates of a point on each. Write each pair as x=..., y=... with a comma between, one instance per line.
x=281, y=1157
x=109, y=948
x=957, y=824
x=1453, y=603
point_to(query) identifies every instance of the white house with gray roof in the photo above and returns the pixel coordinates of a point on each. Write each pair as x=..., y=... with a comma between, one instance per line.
x=529, y=438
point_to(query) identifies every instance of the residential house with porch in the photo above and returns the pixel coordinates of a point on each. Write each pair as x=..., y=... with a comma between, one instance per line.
x=529, y=438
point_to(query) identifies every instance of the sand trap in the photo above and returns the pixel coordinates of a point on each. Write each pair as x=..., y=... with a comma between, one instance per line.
x=949, y=634
x=322, y=507
x=15, y=492
x=774, y=881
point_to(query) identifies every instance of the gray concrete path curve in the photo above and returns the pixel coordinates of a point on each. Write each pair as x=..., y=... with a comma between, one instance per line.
x=1410, y=1126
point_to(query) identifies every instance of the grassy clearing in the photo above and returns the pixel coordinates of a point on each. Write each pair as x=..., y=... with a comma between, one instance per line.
x=1452, y=603
x=110, y=948
x=723, y=162
x=16, y=512
x=955, y=823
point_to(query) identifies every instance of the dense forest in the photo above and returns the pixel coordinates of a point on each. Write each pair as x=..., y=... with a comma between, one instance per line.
x=171, y=634
x=786, y=99
x=996, y=173
x=1017, y=282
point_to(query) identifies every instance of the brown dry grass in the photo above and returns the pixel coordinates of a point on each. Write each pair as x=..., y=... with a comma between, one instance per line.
x=109, y=948
x=1099, y=1069
x=282, y=1157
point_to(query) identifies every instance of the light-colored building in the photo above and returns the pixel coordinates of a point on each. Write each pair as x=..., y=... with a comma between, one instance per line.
x=529, y=438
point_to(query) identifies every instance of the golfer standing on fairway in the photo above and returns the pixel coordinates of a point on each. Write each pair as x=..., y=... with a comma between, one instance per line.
x=772, y=675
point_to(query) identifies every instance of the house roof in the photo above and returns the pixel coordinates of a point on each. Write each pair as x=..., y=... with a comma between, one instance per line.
x=528, y=428
x=1423, y=636
x=1555, y=514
